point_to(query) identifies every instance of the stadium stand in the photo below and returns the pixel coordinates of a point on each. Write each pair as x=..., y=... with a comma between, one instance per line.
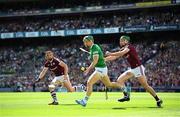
x=20, y=64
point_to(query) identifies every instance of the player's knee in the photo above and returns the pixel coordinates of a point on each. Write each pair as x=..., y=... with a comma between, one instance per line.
x=146, y=86
x=129, y=74
x=70, y=90
x=109, y=85
x=120, y=83
x=51, y=87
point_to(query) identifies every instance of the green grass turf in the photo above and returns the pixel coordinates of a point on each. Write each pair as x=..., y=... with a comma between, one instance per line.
x=35, y=105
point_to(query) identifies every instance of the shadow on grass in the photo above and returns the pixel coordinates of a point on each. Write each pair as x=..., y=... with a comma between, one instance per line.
x=69, y=104
x=119, y=108
x=124, y=108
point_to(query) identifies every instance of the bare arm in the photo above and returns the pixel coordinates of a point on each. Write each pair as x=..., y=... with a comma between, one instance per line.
x=64, y=65
x=43, y=73
x=119, y=53
x=95, y=61
x=111, y=58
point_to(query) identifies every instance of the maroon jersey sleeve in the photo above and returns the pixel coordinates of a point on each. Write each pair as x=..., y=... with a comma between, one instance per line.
x=46, y=64
x=57, y=61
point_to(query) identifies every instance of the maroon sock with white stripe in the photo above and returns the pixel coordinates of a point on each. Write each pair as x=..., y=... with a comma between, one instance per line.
x=53, y=95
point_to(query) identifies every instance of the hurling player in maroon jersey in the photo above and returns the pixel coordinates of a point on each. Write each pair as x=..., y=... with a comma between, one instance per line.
x=137, y=69
x=60, y=71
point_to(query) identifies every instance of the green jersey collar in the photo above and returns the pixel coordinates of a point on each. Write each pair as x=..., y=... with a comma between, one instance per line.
x=91, y=46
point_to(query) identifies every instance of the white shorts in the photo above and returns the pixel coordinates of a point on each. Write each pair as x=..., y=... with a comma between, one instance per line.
x=102, y=71
x=59, y=80
x=138, y=71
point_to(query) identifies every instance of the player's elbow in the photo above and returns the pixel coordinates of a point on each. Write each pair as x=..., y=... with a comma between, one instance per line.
x=65, y=67
x=120, y=54
x=42, y=74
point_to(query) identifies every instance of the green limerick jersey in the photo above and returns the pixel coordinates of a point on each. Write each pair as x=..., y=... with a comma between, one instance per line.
x=96, y=50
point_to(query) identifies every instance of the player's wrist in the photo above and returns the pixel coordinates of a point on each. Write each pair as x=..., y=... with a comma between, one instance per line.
x=91, y=67
x=38, y=79
x=88, y=69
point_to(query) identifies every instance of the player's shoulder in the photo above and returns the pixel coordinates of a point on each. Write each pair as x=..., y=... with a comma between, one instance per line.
x=130, y=46
x=95, y=46
x=56, y=59
x=46, y=63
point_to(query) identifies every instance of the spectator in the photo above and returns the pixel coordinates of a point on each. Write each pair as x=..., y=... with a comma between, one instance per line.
x=162, y=67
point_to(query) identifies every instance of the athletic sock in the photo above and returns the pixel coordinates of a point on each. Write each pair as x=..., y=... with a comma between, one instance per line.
x=156, y=98
x=53, y=95
x=79, y=88
x=86, y=98
x=75, y=88
x=126, y=92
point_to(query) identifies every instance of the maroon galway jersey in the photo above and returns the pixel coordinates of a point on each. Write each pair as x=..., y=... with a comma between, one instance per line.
x=132, y=57
x=54, y=66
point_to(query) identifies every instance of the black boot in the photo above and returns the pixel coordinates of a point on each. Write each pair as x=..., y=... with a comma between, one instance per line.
x=159, y=103
x=53, y=103
x=125, y=98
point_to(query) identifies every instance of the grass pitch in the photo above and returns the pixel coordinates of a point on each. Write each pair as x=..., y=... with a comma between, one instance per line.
x=35, y=105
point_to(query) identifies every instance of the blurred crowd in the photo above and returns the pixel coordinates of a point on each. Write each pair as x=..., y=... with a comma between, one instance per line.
x=20, y=66
x=32, y=7
x=90, y=21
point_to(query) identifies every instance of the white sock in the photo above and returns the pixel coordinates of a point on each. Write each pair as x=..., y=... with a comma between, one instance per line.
x=86, y=98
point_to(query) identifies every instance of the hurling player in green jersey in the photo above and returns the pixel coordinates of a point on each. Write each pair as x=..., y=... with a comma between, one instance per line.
x=100, y=73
